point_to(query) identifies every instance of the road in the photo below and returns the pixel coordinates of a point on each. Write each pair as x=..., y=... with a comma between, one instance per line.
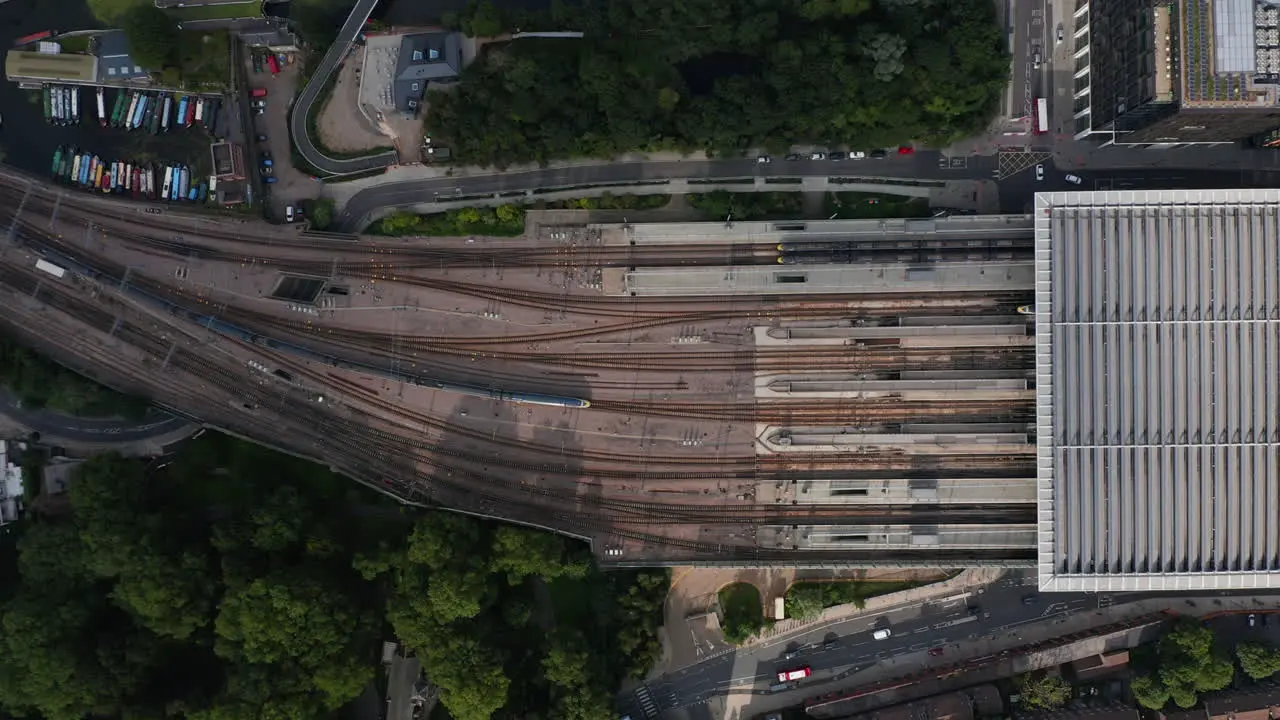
x=55, y=426
x=336, y=53
x=1016, y=191
x=916, y=630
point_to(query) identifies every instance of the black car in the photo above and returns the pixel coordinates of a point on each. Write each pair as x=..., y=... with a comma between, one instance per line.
x=879, y=154
x=830, y=644
x=265, y=154
x=838, y=156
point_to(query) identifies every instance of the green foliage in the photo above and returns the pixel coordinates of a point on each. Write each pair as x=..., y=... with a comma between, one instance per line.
x=858, y=205
x=609, y=201
x=153, y=36
x=504, y=221
x=481, y=19
x=109, y=12
x=1187, y=664
x=238, y=584
x=319, y=212
x=807, y=599
x=1043, y=692
x=741, y=612
x=1257, y=660
x=318, y=21
x=203, y=59
x=39, y=382
x=724, y=77
x=720, y=204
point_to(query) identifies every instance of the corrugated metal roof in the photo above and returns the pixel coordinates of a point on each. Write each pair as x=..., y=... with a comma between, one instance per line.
x=40, y=66
x=1158, y=389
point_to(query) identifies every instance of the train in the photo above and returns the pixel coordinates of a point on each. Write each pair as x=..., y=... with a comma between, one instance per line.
x=1026, y=309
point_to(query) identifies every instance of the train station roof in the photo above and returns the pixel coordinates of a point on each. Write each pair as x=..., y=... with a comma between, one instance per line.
x=1158, y=390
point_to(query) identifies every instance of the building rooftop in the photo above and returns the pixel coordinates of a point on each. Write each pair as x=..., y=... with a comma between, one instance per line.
x=116, y=63
x=425, y=58
x=65, y=67
x=1158, y=389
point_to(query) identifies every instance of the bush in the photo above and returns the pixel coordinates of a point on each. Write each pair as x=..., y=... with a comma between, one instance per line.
x=153, y=36
x=319, y=212
x=719, y=204
x=504, y=221
x=741, y=612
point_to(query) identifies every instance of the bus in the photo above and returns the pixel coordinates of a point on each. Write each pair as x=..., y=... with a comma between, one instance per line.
x=50, y=268
x=1042, y=116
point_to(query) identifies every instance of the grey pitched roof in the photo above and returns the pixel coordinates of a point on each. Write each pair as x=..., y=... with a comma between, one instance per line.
x=114, y=61
x=424, y=58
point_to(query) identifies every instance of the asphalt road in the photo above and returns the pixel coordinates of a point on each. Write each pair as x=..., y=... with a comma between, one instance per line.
x=53, y=425
x=916, y=630
x=333, y=57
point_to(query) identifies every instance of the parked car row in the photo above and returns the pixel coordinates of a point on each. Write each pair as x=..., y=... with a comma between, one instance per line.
x=837, y=155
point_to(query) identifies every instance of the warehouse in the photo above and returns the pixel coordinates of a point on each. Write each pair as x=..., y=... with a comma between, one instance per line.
x=1158, y=390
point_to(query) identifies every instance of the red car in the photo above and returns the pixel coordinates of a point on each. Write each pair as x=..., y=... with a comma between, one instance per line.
x=793, y=675
x=906, y=150
x=936, y=652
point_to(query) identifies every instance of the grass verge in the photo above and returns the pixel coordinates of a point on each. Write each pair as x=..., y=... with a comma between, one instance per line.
x=859, y=205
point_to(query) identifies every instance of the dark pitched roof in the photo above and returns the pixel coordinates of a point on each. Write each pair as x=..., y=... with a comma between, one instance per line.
x=114, y=61
x=424, y=58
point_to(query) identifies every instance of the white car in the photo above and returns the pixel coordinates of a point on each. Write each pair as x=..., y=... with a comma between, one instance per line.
x=818, y=156
x=881, y=634
x=1039, y=172
x=288, y=213
x=857, y=155
x=1074, y=179
x=764, y=160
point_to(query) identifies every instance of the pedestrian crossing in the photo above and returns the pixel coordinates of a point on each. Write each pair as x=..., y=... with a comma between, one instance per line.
x=647, y=704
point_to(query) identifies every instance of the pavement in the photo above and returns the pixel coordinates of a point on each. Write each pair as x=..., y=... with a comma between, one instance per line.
x=341, y=124
x=402, y=677
x=336, y=53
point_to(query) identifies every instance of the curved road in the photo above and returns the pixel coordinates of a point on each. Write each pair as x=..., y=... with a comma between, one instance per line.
x=1015, y=191
x=302, y=105
x=70, y=428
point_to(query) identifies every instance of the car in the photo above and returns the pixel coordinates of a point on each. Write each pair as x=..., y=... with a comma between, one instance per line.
x=1036, y=60
x=792, y=157
x=879, y=154
x=837, y=156
x=906, y=150
x=1062, y=33
x=1039, y=172
x=269, y=180
x=266, y=169
x=796, y=674
x=764, y=160
x=1031, y=599
x=259, y=103
x=265, y=154
x=267, y=162
x=790, y=654
x=881, y=634
x=830, y=644
x=857, y=155
x=261, y=138
x=260, y=112
x=288, y=213
x=1253, y=620
x=1074, y=179
x=818, y=156
x=258, y=93
x=935, y=652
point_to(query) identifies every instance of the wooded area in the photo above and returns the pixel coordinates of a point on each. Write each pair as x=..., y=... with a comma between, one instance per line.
x=725, y=76
x=239, y=583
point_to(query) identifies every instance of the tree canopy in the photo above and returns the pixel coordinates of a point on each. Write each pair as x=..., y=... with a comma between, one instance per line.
x=1187, y=664
x=1040, y=691
x=153, y=36
x=724, y=77
x=240, y=584
x=1257, y=660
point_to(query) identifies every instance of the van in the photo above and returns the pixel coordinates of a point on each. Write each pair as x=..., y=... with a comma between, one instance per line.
x=881, y=634
x=258, y=92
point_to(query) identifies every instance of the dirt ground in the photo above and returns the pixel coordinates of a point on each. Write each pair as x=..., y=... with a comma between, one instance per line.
x=340, y=124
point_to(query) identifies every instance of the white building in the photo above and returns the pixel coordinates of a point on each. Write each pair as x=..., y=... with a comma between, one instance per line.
x=11, y=487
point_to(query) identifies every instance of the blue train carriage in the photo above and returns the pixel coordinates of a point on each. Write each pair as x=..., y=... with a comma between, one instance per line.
x=539, y=399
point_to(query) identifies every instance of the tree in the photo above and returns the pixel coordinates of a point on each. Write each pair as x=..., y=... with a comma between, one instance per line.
x=319, y=212
x=285, y=616
x=1041, y=691
x=472, y=682
x=1258, y=661
x=804, y=601
x=519, y=553
x=483, y=19
x=1187, y=665
x=153, y=36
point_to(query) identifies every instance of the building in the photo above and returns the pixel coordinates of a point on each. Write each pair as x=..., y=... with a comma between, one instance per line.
x=425, y=58
x=269, y=35
x=228, y=161
x=10, y=486
x=1158, y=390
x=115, y=64
x=34, y=67
x=1257, y=702
x=1171, y=73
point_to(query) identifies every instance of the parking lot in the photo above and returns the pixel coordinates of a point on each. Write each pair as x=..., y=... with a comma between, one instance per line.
x=272, y=122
